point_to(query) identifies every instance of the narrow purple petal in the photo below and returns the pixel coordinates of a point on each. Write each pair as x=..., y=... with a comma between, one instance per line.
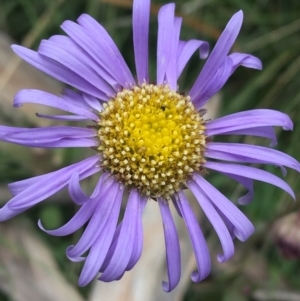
x=246, y=60
x=248, y=184
x=101, y=245
x=172, y=247
x=140, y=27
x=51, y=137
x=55, y=52
x=164, y=40
x=50, y=184
x=264, y=132
x=260, y=154
x=112, y=248
x=75, y=98
x=138, y=240
x=248, y=119
x=186, y=51
x=56, y=70
x=252, y=173
x=75, y=50
x=171, y=73
x=76, y=192
x=105, y=42
x=243, y=227
x=32, y=191
x=62, y=117
x=198, y=241
x=97, y=43
x=77, y=221
x=125, y=243
x=47, y=99
x=177, y=208
x=5, y=130
x=216, y=83
x=227, y=222
x=52, y=132
x=17, y=187
x=218, y=54
x=7, y=213
x=136, y=252
x=216, y=221
x=56, y=143
x=92, y=102
x=98, y=220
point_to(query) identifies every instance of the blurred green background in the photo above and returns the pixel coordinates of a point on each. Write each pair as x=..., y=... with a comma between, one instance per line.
x=271, y=31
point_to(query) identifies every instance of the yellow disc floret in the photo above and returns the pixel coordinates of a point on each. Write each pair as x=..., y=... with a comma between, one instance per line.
x=151, y=138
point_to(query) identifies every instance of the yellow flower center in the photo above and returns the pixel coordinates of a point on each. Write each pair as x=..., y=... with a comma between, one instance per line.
x=151, y=138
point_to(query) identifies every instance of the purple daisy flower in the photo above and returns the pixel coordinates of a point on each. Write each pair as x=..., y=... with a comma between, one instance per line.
x=151, y=142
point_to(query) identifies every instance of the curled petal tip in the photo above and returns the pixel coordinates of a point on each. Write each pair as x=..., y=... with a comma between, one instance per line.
x=41, y=225
x=166, y=286
x=221, y=258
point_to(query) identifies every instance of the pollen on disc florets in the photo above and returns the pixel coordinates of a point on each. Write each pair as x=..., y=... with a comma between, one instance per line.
x=151, y=138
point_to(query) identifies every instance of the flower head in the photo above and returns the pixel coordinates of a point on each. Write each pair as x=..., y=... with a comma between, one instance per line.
x=150, y=140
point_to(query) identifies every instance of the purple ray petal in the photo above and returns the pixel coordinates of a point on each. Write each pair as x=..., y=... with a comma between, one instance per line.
x=56, y=70
x=75, y=50
x=187, y=50
x=216, y=221
x=164, y=40
x=52, y=132
x=77, y=221
x=216, y=83
x=248, y=184
x=98, y=47
x=125, y=243
x=140, y=27
x=248, y=119
x=246, y=60
x=172, y=247
x=171, y=73
x=62, y=117
x=224, y=156
x=75, y=98
x=178, y=209
x=92, y=102
x=55, y=52
x=56, y=143
x=252, y=173
x=112, y=248
x=243, y=227
x=136, y=252
x=218, y=54
x=101, y=245
x=264, y=132
x=249, y=152
x=62, y=143
x=105, y=42
x=51, y=137
x=47, y=99
x=138, y=240
x=76, y=192
x=7, y=213
x=5, y=130
x=198, y=241
x=227, y=222
x=19, y=186
x=50, y=184
x=98, y=220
